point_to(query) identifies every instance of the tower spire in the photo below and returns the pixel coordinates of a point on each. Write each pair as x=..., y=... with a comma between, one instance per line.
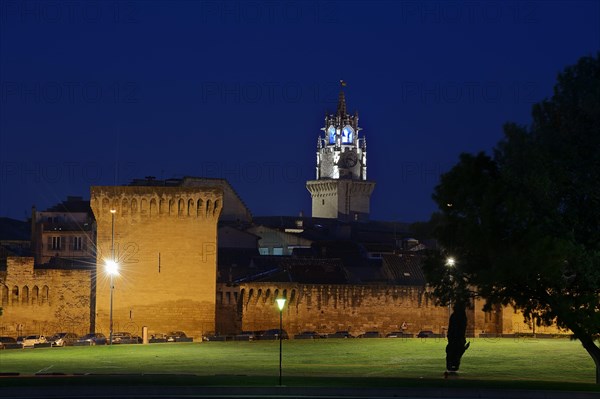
x=341, y=108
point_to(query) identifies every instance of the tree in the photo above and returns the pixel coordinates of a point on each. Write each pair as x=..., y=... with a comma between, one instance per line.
x=524, y=223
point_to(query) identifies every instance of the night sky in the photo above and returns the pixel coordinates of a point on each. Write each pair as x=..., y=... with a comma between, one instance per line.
x=99, y=93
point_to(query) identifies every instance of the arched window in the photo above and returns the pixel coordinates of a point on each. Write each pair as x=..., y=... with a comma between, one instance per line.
x=134, y=206
x=144, y=206
x=4, y=295
x=153, y=207
x=217, y=206
x=181, y=207
x=35, y=292
x=199, y=208
x=171, y=207
x=45, y=294
x=15, y=295
x=208, y=207
x=190, y=210
x=124, y=208
x=25, y=295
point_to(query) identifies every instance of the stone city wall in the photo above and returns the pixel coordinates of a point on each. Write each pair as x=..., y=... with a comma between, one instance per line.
x=329, y=308
x=43, y=301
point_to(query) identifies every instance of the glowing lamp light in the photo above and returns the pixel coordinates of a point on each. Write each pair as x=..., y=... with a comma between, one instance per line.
x=280, y=303
x=450, y=261
x=112, y=267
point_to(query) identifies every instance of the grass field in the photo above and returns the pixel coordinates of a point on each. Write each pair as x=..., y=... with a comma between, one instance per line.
x=541, y=360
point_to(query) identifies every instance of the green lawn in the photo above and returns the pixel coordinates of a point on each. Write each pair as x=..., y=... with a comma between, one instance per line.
x=500, y=360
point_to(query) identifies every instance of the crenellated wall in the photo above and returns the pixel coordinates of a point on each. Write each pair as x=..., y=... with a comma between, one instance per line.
x=329, y=308
x=43, y=301
x=165, y=242
x=356, y=308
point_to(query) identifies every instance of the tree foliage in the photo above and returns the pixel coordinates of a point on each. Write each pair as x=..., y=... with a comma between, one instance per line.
x=524, y=223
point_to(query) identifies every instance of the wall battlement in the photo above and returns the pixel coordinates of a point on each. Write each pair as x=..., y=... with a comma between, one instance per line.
x=157, y=202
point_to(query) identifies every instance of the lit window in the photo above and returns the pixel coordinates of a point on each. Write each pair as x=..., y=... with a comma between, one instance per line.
x=56, y=241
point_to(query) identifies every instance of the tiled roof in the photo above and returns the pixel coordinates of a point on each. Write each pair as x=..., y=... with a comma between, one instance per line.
x=72, y=204
x=303, y=271
x=405, y=268
x=14, y=230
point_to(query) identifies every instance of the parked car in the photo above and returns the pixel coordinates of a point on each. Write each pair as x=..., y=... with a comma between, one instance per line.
x=340, y=334
x=63, y=339
x=31, y=340
x=93, y=339
x=309, y=335
x=215, y=337
x=122, y=337
x=20, y=339
x=245, y=336
x=273, y=334
x=398, y=334
x=7, y=341
x=175, y=336
x=425, y=334
x=370, y=334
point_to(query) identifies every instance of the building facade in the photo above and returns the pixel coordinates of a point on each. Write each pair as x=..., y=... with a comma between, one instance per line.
x=64, y=233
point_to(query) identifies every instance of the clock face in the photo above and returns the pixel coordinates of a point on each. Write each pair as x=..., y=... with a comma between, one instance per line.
x=331, y=134
x=349, y=160
x=347, y=135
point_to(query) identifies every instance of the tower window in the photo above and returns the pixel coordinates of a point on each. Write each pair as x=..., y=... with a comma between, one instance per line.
x=323, y=202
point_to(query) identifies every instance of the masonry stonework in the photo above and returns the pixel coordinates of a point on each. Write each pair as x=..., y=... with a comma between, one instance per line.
x=165, y=242
x=356, y=308
x=43, y=301
x=329, y=308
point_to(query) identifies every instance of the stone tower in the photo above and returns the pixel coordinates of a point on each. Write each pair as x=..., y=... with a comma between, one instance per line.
x=165, y=242
x=341, y=189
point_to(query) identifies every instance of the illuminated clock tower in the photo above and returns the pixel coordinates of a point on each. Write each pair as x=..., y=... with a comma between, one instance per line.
x=341, y=189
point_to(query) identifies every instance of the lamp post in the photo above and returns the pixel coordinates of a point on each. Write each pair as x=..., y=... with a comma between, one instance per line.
x=450, y=262
x=112, y=268
x=280, y=305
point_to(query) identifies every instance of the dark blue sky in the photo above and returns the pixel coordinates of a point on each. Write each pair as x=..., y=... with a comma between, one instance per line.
x=239, y=90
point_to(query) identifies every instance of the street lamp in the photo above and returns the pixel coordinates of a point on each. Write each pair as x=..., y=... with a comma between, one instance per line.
x=280, y=305
x=112, y=268
x=450, y=262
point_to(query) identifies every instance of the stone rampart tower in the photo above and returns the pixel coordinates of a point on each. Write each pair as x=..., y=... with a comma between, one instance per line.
x=341, y=189
x=165, y=243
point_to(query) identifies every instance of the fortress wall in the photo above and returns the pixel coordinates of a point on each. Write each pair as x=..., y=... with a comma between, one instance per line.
x=329, y=308
x=43, y=301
